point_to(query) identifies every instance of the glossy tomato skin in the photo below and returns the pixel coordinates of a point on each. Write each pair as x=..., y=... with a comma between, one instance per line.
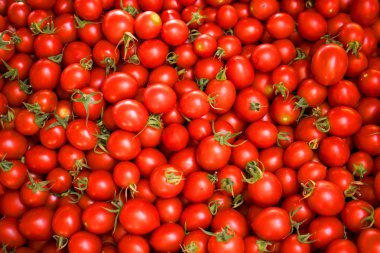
x=332, y=61
x=139, y=217
x=367, y=139
x=334, y=151
x=97, y=218
x=81, y=134
x=10, y=234
x=232, y=245
x=15, y=145
x=85, y=242
x=167, y=237
x=325, y=230
x=368, y=240
x=66, y=220
x=35, y=224
x=353, y=214
x=101, y=186
x=133, y=243
x=251, y=105
x=343, y=245
x=274, y=217
x=326, y=198
x=166, y=181
x=123, y=145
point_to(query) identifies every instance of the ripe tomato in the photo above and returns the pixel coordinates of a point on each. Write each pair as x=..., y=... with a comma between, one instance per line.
x=167, y=237
x=311, y=25
x=35, y=224
x=139, y=217
x=169, y=209
x=44, y=74
x=250, y=105
x=98, y=219
x=166, y=181
x=40, y=160
x=354, y=215
x=277, y=219
x=324, y=230
x=367, y=139
x=85, y=242
x=225, y=241
x=133, y=243
x=325, y=60
x=334, y=151
x=100, y=186
x=66, y=220
x=199, y=186
x=117, y=23
x=10, y=233
x=343, y=245
x=325, y=198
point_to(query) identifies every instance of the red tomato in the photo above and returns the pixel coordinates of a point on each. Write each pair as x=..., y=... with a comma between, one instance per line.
x=324, y=64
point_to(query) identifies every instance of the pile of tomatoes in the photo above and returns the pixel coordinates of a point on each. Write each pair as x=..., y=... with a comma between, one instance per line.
x=192, y=126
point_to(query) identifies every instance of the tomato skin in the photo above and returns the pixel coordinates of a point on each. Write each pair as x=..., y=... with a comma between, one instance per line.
x=116, y=23
x=211, y=155
x=85, y=242
x=270, y=189
x=369, y=83
x=240, y=71
x=133, y=244
x=325, y=230
x=342, y=245
x=284, y=112
x=139, y=217
x=314, y=171
x=326, y=198
x=10, y=234
x=169, y=209
x=101, y=186
x=334, y=151
x=66, y=220
x=130, y=115
x=304, y=213
x=44, y=74
x=152, y=53
x=274, y=217
x=263, y=9
x=88, y=10
x=367, y=139
x=344, y=121
x=196, y=216
x=364, y=12
x=325, y=61
x=312, y=25
x=198, y=238
x=292, y=244
x=40, y=160
x=167, y=237
x=160, y=182
x=233, y=245
x=81, y=134
x=35, y=224
x=232, y=218
x=344, y=93
x=198, y=187
x=353, y=214
x=15, y=177
x=159, y=98
x=97, y=219
x=175, y=137
x=15, y=145
x=250, y=105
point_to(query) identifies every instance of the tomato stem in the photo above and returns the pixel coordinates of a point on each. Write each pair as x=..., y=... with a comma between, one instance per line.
x=171, y=58
x=5, y=165
x=213, y=206
x=11, y=74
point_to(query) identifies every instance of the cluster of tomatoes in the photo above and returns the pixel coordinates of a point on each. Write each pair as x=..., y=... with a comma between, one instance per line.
x=190, y=126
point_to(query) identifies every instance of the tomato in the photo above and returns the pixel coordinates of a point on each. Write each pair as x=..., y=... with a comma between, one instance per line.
x=334, y=151
x=105, y=55
x=325, y=61
x=286, y=111
x=324, y=230
x=269, y=187
x=354, y=215
x=100, y=186
x=133, y=243
x=274, y=217
x=139, y=217
x=280, y=25
x=240, y=72
x=263, y=9
x=15, y=208
x=88, y=103
x=97, y=218
x=311, y=25
x=344, y=93
x=117, y=23
x=251, y=105
x=130, y=115
x=364, y=12
x=196, y=216
x=66, y=220
x=367, y=139
x=35, y=224
x=88, y=10
x=40, y=160
x=46, y=99
x=231, y=218
x=175, y=137
x=293, y=244
x=325, y=198
x=229, y=242
x=197, y=238
x=207, y=68
x=82, y=134
x=167, y=237
x=44, y=74
x=360, y=164
x=169, y=209
x=262, y=134
x=14, y=176
x=185, y=56
x=341, y=245
x=314, y=171
x=265, y=57
x=84, y=242
x=152, y=53
x=369, y=83
x=166, y=181
x=159, y=98
x=297, y=203
x=344, y=121
x=194, y=104
x=199, y=186
x=10, y=234
x=46, y=45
